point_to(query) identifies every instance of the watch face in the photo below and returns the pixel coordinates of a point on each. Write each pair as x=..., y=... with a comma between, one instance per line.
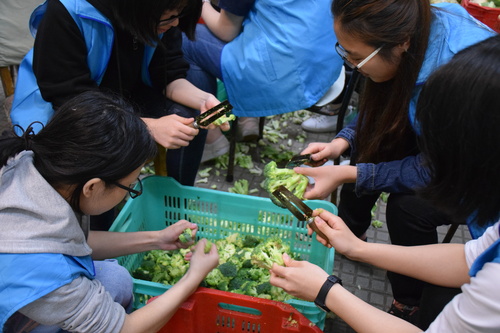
x=334, y=279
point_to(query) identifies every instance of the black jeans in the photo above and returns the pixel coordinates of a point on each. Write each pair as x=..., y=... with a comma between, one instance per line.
x=410, y=221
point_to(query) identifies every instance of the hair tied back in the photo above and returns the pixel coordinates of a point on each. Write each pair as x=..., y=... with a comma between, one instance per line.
x=28, y=134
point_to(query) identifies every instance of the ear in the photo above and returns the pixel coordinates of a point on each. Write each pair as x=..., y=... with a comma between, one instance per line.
x=405, y=46
x=92, y=186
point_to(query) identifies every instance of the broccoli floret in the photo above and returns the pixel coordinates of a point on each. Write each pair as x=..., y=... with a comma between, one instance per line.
x=235, y=239
x=269, y=252
x=223, y=119
x=275, y=177
x=247, y=263
x=251, y=241
x=208, y=246
x=228, y=269
x=236, y=283
x=214, y=278
x=186, y=236
x=263, y=288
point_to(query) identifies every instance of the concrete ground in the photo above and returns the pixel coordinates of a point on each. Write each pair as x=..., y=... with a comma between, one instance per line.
x=367, y=282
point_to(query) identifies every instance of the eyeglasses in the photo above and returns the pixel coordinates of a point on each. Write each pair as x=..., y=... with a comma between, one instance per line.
x=131, y=191
x=170, y=19
x=343, y=54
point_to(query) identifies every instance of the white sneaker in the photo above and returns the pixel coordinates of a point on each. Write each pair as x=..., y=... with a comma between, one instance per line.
x=215, y=149
x=248, y=129
x=320, y=124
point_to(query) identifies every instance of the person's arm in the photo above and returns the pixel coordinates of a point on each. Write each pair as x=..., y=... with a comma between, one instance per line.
x=106, y=244
x=440, y=264
x=304, y=280
x=397, y=176
x=225, y=25
x=154, y=315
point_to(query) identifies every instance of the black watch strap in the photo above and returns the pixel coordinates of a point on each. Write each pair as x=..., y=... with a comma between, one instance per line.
x=321, y=298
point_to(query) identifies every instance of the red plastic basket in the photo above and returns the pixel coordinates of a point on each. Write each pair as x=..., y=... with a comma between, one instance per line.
x=210, y=310
x=487, y=15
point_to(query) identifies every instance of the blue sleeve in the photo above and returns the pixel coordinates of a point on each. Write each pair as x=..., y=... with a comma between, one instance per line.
x=237, y=7
x=406, y=175
x=348, y=133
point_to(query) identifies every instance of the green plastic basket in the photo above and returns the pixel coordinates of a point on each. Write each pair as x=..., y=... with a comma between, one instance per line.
x=218, y=214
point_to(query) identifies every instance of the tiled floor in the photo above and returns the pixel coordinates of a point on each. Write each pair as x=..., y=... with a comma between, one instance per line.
x=367, y=282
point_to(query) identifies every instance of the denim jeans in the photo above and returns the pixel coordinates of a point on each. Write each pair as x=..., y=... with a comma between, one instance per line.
x=204, y=57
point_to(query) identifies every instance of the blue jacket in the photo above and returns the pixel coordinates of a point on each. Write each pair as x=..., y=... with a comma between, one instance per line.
x=26, y=282
x=28, y=105
x=452, y=29
x=300, y=55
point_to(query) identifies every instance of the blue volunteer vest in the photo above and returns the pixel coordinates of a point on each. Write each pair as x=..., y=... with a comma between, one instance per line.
x=28, y=105
x=27, y=277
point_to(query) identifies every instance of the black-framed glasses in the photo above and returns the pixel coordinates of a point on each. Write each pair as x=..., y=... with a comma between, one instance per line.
x=343, y=54
x=131, y=190
x=170, y=19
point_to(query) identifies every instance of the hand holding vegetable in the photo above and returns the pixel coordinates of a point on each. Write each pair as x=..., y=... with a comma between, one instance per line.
x=301, y=279
x=169, y=238
x=201, y=262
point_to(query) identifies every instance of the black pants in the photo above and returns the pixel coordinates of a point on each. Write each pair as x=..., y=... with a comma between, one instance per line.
x=410, y=221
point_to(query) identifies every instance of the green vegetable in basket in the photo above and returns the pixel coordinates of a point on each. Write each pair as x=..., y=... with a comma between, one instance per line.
x=269, y=252
x=235, y=272
x=275, y=177
x=186, y=236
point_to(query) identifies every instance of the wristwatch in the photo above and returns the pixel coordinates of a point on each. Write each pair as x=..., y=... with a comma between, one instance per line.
x=321, y=298
x=205, y=0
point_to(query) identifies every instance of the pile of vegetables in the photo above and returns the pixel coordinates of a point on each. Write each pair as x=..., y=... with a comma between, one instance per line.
x=243, y=268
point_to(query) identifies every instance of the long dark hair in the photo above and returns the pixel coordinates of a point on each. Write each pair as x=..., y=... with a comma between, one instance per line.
x=93, y=135
x=141, y=17
x=459, y=115
x=383, y=129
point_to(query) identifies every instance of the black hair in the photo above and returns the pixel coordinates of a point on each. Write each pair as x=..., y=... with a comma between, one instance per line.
x=93, y=135
x=384, y=132
x=141, y=17
x=458, y=113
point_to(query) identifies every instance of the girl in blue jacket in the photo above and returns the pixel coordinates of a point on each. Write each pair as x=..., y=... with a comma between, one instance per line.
x=396, y=45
